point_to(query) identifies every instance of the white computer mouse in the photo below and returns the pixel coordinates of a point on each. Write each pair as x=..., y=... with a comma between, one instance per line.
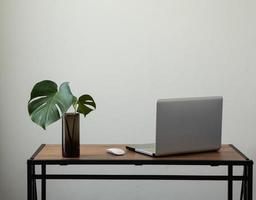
x=116, y=151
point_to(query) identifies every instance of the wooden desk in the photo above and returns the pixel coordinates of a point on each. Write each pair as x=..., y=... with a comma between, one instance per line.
x=94, y=154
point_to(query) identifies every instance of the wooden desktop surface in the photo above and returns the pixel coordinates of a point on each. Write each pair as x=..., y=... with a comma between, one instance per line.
x=98, y=152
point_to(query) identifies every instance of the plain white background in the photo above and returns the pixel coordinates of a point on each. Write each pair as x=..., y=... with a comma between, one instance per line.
x=126, y=54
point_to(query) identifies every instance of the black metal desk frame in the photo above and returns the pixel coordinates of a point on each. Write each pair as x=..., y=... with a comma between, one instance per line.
x=246, y=178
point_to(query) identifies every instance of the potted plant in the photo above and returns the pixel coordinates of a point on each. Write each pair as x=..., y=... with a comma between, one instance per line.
x=47, y=104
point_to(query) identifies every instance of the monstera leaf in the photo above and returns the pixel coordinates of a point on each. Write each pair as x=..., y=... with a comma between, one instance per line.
x=85, y=104
x=47, y=104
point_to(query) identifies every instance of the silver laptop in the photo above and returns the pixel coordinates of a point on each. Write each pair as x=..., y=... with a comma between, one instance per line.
x=185, y=125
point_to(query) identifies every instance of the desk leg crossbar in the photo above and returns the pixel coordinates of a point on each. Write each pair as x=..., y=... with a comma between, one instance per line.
x=246, y=188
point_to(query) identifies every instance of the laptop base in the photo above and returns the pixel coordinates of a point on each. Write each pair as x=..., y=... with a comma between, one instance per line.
x=147, y=149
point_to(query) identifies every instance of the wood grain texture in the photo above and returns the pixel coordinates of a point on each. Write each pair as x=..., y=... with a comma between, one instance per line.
x=98, y=152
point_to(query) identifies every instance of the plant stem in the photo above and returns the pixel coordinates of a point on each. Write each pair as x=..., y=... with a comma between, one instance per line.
x=73, y=130
x=75, y=108
x=67, y=125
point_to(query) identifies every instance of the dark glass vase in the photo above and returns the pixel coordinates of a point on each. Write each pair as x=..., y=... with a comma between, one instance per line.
x=70, y=135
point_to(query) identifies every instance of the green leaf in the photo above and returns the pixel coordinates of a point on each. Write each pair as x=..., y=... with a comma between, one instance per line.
x=86, y=104
x=47, y=104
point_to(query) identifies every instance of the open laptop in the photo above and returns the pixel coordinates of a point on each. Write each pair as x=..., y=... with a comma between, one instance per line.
x=185, y=125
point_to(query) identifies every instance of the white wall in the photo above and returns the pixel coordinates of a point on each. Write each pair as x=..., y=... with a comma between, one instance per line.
x=126, y=54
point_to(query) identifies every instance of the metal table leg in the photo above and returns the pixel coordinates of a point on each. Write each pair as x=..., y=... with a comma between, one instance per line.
x=244, y=192
x=29, y=180
x=230, y=182
x=43, y=185
x=250, y=181
x=34, y=190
